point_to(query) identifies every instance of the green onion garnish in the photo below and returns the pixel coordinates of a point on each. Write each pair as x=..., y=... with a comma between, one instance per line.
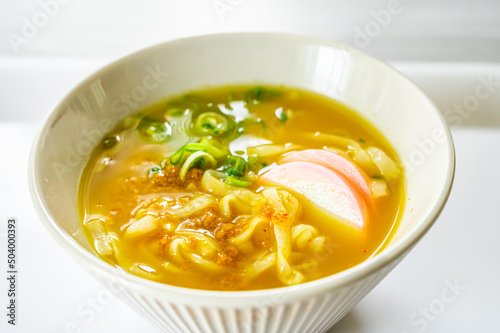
x=214, y=148
x=211, y=123
x=185, y=150
x=263, y=124
x=154, y=171
x=109, y=142
x=255, y=163
x=208, y=126
x=234, y=181
x=175, y=112
x=259, y=94
x=153, y=131
x=197, y=160
x=235, y=166
x=281, y=115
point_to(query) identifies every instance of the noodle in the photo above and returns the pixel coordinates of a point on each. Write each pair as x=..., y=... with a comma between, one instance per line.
x=225, y=190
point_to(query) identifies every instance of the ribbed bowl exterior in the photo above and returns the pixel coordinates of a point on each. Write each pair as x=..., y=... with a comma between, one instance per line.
x=314, y=315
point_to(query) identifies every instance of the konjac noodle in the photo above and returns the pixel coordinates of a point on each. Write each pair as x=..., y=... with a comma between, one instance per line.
x=241, y=188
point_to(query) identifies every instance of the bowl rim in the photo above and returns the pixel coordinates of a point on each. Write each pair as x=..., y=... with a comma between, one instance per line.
x=236, y=298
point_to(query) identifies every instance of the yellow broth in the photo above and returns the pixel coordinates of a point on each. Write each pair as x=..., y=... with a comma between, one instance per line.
x=122, y=179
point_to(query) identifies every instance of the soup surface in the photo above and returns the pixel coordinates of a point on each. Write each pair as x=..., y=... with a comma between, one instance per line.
x=241, y=188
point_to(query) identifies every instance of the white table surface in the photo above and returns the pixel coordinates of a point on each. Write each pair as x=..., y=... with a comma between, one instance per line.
x=448, y=283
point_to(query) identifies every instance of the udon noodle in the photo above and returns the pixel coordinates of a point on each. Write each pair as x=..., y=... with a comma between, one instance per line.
x=241, y=188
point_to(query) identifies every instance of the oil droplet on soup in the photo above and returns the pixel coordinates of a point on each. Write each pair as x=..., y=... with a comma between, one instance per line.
x=241, y=188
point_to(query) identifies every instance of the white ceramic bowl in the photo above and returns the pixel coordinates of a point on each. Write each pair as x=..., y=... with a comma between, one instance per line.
x=389, y=100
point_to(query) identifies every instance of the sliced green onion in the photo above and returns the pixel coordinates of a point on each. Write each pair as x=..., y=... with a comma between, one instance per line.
x=153, y=131
x=179, y=104
x=263, y=124
x=200, y=160
x=175, y=112
x=282, y=116
x=214, y=148
x=235, y=181
x=249, y=122
x=255, y=163
x=259, y=94
x=189, y=148
x=154, y=171
x=211, y=123
x=109, y=142
x=235, y=166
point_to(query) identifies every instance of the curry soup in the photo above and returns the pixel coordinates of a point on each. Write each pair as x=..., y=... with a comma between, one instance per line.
x=241, y=188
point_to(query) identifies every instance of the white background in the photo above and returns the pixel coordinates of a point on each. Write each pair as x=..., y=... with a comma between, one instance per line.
x=446, y=46
x=419, y=29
